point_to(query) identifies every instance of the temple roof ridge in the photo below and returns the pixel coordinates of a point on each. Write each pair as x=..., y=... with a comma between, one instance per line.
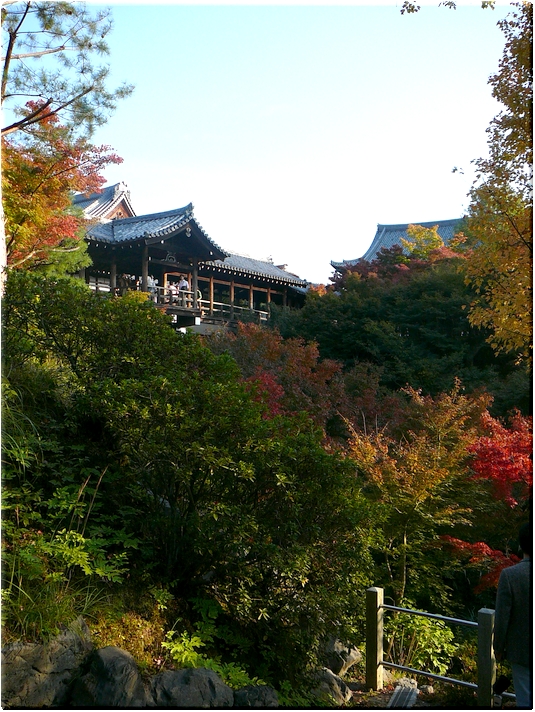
x=427, y=223
x=235, y=253
x=186, y=210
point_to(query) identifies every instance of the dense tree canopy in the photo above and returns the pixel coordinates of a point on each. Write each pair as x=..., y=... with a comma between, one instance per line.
x=407, y=318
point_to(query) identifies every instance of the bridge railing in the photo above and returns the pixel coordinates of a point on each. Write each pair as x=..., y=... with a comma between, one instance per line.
x=232, y=311
x=375, y=664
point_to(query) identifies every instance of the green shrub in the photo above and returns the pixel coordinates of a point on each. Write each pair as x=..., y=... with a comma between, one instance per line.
x=183, y=650
x=420, y=643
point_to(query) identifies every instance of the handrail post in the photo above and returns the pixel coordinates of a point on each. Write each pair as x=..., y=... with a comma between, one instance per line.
x=486, y=663
x=374, y=638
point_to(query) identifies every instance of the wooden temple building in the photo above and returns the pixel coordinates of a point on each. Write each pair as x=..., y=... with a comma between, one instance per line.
x=389, y=235
x=157, y=252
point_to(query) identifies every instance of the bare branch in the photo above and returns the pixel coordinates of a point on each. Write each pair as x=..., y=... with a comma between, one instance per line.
x=36, y=118
x=30, y=119
x=41, y=53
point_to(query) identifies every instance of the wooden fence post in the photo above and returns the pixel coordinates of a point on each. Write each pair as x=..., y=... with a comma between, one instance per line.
x=486, y=663
x=374, y=638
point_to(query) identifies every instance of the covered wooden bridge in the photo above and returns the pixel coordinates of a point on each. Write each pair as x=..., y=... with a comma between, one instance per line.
x=157, y=252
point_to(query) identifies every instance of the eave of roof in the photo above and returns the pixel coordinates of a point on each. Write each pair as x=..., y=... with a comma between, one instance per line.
x=241, y=264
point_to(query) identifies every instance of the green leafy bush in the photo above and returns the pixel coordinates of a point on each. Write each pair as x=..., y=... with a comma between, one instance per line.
x=420, y=643
x=184, y=651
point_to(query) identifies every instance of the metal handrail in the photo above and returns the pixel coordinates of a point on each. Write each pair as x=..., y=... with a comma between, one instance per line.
x=436, y=616
x=442, y=678
x=432, y=675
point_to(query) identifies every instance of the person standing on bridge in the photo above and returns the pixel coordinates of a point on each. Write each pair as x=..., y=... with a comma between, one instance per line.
x=512, y=621
x=183, y=286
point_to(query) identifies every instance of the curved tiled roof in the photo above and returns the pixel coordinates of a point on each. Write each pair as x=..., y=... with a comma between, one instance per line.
x=389, y=235
x=146, y=227
x=99, y=205
x=248, y=265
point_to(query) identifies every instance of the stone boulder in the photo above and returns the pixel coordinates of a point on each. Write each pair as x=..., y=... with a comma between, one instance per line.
x=110, y=679
x=37, y=675
x=192, y=687
x=256, y=697
x=330, y=685
x=339, y=657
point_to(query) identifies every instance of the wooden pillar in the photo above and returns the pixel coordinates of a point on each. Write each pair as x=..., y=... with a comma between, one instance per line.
x=211, y=296
x=251, y=297
x=268, y=295
x=486, y=663
x=374, y=638
x=195, y=281
x=145, y=269
x=113, y=276
x=232, y=298
x=285, y=297
x=81, y=273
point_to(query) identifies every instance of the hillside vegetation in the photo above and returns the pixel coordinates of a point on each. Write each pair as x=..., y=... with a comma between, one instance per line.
x=226, y=502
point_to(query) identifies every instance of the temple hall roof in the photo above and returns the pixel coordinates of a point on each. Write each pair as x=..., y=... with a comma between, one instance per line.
x=103, y=204
x=389, y=235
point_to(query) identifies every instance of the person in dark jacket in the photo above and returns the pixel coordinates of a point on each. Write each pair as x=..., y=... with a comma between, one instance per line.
x=512, y=621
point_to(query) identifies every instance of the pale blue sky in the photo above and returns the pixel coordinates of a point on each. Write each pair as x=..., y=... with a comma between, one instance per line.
x=294, y=130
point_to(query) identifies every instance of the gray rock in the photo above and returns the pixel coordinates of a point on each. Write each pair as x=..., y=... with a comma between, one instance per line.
x=339, y=657
x=407, y=682
x=256, y=696
x=38, y=675
x=193, y=687
x=330, y=685
x=427, y=689
x=112, y=680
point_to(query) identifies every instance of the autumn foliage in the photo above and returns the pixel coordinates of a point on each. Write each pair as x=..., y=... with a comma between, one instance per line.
x=288, y=374
x=483, y=556
x=505, y=457
x=39, y=175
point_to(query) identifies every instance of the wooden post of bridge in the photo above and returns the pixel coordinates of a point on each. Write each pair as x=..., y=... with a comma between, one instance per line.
x=113, y=277
x=374, y=638
x=486, y=663
x=145, y=269
x=211, y=296
x=195, y=282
